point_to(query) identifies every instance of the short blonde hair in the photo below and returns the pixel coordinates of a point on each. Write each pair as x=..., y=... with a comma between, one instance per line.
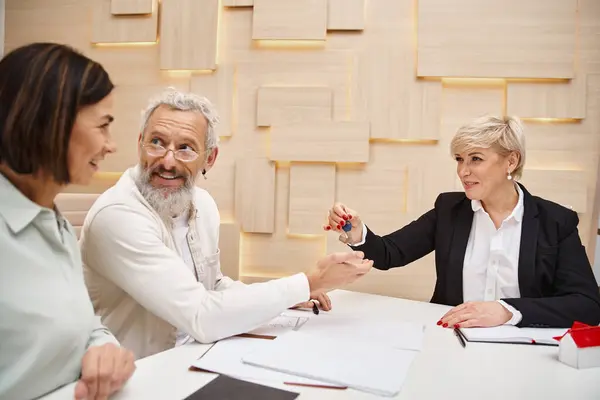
x=502, y=134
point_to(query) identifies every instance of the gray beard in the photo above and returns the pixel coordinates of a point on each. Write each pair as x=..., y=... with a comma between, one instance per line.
x=167, y=203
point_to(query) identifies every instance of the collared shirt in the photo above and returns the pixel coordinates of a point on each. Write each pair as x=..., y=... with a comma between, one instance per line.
x=491, y=263
x=46, y=317
x=146, y=292
x=180, y=231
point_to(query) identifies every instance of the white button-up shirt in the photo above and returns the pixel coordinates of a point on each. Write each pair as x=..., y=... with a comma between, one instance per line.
x=491, y=263
x=47, y=322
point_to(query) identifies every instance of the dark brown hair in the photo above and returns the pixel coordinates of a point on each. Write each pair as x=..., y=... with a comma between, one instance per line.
x=42, y=88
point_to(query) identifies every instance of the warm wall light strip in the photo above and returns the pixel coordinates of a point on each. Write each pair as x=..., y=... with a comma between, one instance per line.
x=537, y=80
x=304, y=236
x=125, y=44
x=425, y=142
x=552, y=120
x=282, y=164
x=190, y=71
x=479, y=82
x=289, y=44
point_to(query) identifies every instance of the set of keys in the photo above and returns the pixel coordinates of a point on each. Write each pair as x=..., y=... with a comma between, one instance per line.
x=347, y=228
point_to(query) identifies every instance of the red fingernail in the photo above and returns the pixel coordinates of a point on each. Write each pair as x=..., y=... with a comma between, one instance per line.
x=456, y=326
x=345, y=217
x=327, y=228
x=445, y=325
x=349, y=216
x=338, y=227
x=439, y=322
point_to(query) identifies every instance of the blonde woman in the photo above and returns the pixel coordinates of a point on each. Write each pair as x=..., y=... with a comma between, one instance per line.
x=503, y=255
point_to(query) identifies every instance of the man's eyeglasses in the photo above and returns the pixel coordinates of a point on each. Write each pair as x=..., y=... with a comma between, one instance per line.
x=184, y=155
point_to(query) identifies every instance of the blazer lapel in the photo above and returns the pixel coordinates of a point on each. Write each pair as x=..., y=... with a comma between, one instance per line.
x=529, y=236
x=460, y=238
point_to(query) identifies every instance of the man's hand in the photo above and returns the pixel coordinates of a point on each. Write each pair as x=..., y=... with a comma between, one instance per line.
x=338, y=269
x=476, y=314
x=105, y=369
x=321, y=297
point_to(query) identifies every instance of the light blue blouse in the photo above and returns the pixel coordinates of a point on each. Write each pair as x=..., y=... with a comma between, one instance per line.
x=47, y=320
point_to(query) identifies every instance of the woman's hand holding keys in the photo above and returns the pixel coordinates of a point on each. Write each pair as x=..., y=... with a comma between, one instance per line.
x=341, y=216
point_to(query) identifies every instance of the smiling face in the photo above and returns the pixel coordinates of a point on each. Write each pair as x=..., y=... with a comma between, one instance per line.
x=90, y=141
x=179, y=131
x=166, y=179
x=484, y=171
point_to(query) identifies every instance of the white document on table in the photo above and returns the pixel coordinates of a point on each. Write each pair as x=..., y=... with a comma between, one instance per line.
x=279, y=325
x=225, y=357
x=390, y=332
x=370, y=367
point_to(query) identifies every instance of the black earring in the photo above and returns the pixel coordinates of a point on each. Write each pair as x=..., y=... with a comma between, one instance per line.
x=204, y=174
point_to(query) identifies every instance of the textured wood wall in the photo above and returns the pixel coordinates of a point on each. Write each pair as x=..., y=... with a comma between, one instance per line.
x=349, y=100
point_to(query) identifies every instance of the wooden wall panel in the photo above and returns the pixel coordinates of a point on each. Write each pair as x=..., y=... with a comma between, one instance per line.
x=218, y=87
x=345, y=14
x=188, y=34
x=333, y=141
x=567, y=188
x=547, y=100
x=397, y=105
x=424, y=108
x=312, y=193
x=589, y=36
x=542, y=135
x=290, y=19
x=487, y=38
x=108, y=28
x=370, y=76
x=255, y=194
x=100, y=182
x=294, y=68
x=126, y=7
x=280, y=105
x=229, y=246
x=377, y=190
x=130, y=101
x=279, y=254
x=220, y=183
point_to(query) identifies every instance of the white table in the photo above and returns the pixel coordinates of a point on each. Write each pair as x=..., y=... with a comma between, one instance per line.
x=443, y=369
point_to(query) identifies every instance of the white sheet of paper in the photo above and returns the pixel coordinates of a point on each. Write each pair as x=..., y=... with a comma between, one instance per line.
x=370, y=367
x=394, y=333
x=280, y=325
x=225, y=357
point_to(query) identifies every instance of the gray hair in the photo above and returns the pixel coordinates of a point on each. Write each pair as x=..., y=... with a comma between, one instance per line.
x=185, y=101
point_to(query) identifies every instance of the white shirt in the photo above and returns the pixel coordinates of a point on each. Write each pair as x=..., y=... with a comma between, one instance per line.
x=491, y=263
x=144, y=290
x=180, y=231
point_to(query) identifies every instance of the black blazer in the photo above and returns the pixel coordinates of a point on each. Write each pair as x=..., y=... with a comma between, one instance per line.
x=556, y=282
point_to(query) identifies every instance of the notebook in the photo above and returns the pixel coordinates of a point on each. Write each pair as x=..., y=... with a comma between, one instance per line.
x=369, y=367
x=512, y=334
x=227, y=388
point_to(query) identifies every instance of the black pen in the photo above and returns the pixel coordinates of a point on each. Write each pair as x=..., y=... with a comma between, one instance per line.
x=315, y=308
x=460, y=338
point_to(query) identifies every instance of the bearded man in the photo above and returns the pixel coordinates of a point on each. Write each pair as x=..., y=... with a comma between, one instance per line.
x=150, y=244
